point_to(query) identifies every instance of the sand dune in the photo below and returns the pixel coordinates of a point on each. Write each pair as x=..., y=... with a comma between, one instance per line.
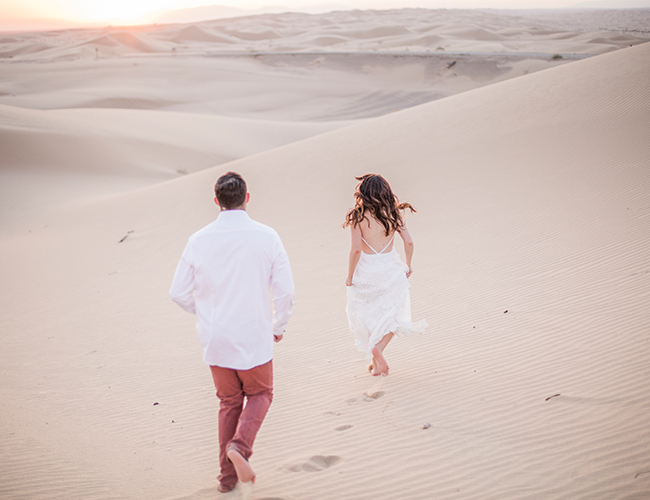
x=531, y=268
x=195, y=33
x=508, y=31
x=85, y=153
x=15, y=48
x=117, y=102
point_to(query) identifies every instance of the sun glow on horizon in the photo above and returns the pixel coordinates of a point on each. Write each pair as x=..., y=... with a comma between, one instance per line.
x=90, y=12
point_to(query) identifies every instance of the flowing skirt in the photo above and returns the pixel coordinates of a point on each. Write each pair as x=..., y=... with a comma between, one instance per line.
x=379, y=301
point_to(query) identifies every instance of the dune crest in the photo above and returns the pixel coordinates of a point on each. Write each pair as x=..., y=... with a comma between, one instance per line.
x=341, y=68
x=349, y=31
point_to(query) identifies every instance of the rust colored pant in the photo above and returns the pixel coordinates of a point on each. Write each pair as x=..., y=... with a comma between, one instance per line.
x=239, y=423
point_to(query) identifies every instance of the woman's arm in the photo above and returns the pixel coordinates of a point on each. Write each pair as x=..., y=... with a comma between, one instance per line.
x=408, y=248
x=355, y=252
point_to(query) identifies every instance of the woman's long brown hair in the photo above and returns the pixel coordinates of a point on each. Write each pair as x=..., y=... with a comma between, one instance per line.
x=375, y=197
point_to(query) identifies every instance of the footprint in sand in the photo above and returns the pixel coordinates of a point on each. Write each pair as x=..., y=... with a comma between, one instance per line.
x=367, y=396
x=314, y=464
x=371, y=396
x=343, y=428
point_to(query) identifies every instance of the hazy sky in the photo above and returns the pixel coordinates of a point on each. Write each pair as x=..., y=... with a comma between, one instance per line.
x=93, y=12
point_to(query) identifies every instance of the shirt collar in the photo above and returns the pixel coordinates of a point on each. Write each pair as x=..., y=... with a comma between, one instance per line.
x=232, y=216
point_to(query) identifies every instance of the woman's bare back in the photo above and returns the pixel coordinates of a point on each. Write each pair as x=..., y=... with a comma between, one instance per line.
x=374, y=234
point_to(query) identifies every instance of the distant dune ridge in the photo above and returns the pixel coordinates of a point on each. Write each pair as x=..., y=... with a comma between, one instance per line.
x=581, y=32
x=287, y=76
x=531, y=177
x=209, y=12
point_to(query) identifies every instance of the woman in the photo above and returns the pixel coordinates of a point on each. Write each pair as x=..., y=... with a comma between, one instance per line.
x=379, y=304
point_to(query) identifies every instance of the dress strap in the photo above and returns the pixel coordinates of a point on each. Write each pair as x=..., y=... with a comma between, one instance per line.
x=382, y=251
x=388, y=244
x=362, y=238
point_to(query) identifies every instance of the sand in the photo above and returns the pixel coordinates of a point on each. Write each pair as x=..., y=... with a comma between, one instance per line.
x=530, y=267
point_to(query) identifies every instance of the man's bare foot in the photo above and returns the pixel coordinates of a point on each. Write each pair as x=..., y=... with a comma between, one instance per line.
x=379, y=361
x=245, y=472
x=224, y=489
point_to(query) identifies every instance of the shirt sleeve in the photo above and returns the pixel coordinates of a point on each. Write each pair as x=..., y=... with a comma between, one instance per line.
x=282, y=288
x=182, y=290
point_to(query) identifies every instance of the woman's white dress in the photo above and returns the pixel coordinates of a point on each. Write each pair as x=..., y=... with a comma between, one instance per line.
x=379, y=301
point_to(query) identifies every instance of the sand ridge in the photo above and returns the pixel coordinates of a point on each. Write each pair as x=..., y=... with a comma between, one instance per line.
x=342, y=67
x=415, y=30
x=88, y=153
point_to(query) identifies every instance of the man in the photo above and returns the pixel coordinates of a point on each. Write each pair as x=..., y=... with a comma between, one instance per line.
x=226, y=276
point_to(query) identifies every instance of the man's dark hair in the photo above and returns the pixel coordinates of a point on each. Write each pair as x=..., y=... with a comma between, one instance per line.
x=230, y=190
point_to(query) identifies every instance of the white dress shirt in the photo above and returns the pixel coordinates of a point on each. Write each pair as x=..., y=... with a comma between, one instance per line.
x=228, y=275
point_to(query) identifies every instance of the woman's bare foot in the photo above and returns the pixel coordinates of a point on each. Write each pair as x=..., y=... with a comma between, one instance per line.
x=379, y=361
x=245, y=472
x=373, y=370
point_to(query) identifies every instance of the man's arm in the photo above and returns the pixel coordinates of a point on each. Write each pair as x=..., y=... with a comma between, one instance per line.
x=282, y=288
x=182, y=290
